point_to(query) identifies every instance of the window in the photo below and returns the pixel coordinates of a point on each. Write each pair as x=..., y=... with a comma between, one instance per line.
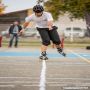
x=77, y=29
x=68, y=29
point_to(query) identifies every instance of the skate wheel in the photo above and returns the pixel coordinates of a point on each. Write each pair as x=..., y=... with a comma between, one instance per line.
x=46, y=58
x=88, y=47
x=41, y=57
x=64, y=54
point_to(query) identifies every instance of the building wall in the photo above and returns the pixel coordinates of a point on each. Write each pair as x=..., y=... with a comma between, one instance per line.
x=64, y=22
x=7, y=19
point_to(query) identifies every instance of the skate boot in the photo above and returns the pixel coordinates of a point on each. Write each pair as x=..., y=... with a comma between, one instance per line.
x=60, y=50
x=43, y=56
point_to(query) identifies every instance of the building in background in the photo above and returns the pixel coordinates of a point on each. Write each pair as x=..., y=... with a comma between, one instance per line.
x=11, y=13
x=7, y=19
x=15, y=11
x=65, y=22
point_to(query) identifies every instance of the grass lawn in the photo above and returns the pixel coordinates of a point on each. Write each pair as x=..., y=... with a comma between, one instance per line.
x=27, y=42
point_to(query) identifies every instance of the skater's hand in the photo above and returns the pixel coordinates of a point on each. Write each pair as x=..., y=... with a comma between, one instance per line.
x=20, y=34
x=50, y=24
x=22, y=31
x=50, y=28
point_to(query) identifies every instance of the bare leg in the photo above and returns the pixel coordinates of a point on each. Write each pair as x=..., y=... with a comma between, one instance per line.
x=43, y=48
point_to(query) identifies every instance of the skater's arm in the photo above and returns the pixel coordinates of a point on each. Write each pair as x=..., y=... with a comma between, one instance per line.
x=49, y=21
x=27, y=21
x=24, y=26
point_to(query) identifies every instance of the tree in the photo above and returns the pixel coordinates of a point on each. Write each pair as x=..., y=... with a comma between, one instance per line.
x=2, y=7
x=55, y=7
x=76, y=9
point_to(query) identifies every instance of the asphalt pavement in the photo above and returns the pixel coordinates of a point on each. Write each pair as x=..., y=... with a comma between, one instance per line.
x=21, y=69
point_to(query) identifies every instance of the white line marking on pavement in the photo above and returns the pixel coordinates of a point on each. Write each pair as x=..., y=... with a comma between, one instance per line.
x=7, y=86
x=30, y=85
x=53, y=78
x=43, y=76
x=36, y=83
x=62, y=63
x=14, y=63
x=18, y=82
x=86, y=60
x=18, y=78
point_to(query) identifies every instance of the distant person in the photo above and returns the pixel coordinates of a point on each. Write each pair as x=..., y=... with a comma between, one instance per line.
x=0, y=40
x=88, y=30
x=14, y=30
x=46, y=29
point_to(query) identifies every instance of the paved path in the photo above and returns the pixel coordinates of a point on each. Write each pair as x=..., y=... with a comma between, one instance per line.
x=20, y=69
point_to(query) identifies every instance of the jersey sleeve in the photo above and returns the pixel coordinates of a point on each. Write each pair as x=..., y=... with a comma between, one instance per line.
x=49, y=17
x=29, y=18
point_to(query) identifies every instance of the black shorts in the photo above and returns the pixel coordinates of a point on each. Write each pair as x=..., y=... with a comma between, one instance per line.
x=49, y=35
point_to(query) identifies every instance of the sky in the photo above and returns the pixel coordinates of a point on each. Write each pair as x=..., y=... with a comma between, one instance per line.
x=16, y=5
